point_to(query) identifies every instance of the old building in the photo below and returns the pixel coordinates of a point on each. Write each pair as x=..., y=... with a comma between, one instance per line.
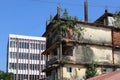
x=73, y=45
x=24, y=57
x=108, y=19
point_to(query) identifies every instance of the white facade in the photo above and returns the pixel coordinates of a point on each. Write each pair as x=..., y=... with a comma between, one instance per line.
x=24, y=57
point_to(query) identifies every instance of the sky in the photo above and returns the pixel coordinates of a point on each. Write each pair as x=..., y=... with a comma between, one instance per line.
x=28, y=17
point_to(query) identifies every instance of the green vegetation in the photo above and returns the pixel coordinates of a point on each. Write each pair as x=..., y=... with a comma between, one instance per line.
x=67, y=25
x=6, y=75
x=68, y=21
x=68, y=17
x=91, y=71
x=117, y=19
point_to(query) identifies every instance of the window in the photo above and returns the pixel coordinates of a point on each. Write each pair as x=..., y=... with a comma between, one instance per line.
x=20, y=45
x=19, y=66
x=35, y=66
x=12, y=55
x=38, y=67
x=31, y=56
x=22, y=66
x=27, y=55
x=43, y=46
x=34, y=56
x=42, y=67
x=26, y=45
x=38, y=57
x=12, y=65
x=19, y=55
x=38, y=46
x=41, y=57
x=23, y=45
x=24, y=55
x=32, y=45
x=69, y=69
x=31, y=66
x=12, y=43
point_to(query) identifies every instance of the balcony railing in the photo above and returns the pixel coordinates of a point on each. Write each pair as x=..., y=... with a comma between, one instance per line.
x=56, y=35
x=52, y=61
x=52, y=38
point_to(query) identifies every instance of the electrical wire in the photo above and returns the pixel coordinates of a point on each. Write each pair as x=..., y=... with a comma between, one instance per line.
x=77, y=4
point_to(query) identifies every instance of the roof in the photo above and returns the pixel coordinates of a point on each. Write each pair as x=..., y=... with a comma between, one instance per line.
x=109, y=76
x=56, y=17
x=106, y=14
x=27, y=37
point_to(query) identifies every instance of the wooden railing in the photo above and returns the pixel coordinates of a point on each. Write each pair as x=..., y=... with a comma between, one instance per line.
x=52, y=61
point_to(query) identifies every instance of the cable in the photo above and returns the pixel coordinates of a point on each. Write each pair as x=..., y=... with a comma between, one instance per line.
x=75, y=4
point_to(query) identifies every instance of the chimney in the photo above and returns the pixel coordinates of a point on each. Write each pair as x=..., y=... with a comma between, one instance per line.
x=58, y=10
x=86, y=10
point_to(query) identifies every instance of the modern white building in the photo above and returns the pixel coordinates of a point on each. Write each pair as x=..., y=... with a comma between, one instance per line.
x=24, y=57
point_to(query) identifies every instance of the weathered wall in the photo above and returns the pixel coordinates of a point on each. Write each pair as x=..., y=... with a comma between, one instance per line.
x=102, y=54
x=87, y=53
x=111, y=21
x=77, y=70
x=117, y=57
x=116, y=38
x=97, y=35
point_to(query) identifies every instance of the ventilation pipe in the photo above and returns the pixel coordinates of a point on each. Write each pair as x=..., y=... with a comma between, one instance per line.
x=58, y=10
x=86, y=11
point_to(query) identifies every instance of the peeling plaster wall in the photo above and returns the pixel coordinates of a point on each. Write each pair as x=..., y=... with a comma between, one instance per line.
x=87, y=53
x=117, y=57
x=97, y=35
x=102, y=54
x=80, y=72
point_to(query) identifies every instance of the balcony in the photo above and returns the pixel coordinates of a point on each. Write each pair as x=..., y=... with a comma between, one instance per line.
x=57, y=34
x=52, y=61
x=53, y=37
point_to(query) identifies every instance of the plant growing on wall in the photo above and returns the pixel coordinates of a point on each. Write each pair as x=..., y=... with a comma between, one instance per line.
x=67, y=26
x=117, y=19
x=91, y=70
x=78, y=32
x=69, y=20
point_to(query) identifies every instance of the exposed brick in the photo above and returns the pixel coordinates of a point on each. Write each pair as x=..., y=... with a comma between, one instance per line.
x=116, y=38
